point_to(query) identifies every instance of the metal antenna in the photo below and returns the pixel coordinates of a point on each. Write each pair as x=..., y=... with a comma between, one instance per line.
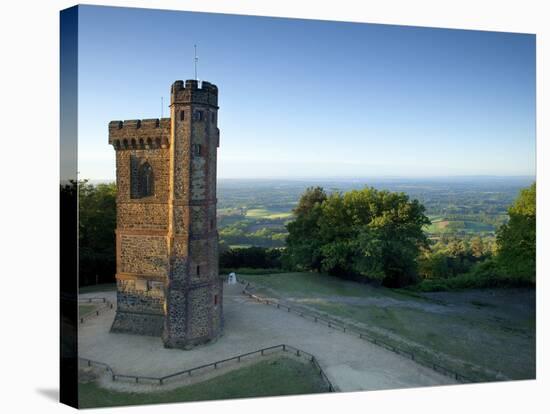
x=161, y=116
x=196, y=60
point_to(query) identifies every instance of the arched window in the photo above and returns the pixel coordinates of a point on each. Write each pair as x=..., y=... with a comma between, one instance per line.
x=145, y=180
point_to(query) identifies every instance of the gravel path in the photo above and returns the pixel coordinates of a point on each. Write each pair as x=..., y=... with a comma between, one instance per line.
x=351, y=363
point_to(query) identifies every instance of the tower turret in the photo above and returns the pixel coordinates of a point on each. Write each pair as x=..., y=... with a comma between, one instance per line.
x=194, y=289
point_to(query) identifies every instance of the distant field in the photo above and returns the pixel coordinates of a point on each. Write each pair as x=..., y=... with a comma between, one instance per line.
x=257, y=226
x=440, y=225
x=281, y=376
x=267, y=214
x=224, y=221
x=254, y=212
x=483, y=334
x=239, y=246
x=461, y=206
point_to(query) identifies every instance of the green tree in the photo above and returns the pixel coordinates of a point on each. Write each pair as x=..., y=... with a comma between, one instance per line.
x=313, y=196
x=304, y=252
x=252, y=257
x=368, y=233
x=434, y=265
x=477, y=247
x=97, y=221
x=516, y=240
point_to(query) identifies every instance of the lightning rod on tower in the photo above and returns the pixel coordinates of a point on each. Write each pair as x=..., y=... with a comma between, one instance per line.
x=196, y=60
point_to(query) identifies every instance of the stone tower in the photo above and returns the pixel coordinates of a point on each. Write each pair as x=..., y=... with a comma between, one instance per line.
x=167, y=241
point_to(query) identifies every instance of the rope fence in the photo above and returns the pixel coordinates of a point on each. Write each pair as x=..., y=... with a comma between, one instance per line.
x=90, y=300
x=189, y=372
x=105, y=307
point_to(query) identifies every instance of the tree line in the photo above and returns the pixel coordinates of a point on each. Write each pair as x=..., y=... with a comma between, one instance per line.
x=378, y=236
x=96, y=233
x=372, y=235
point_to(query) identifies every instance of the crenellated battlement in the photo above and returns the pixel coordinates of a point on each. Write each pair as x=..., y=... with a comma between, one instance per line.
x=190, y=92
x=140, y=134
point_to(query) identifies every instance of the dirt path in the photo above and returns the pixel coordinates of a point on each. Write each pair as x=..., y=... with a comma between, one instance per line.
x=350, y=363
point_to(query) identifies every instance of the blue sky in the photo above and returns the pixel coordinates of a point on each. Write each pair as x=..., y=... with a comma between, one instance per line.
x=304, y=98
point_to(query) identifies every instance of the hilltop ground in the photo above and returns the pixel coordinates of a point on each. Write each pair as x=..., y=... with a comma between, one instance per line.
x=260, y=379
x=482, y=334
x=350, y=363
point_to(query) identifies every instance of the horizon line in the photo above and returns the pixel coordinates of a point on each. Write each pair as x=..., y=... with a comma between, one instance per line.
x=358, y=178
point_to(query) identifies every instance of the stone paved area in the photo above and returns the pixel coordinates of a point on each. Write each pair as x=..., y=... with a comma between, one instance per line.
x=351, y=363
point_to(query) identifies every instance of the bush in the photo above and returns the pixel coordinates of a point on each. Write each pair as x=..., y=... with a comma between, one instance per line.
x=472, y=266
x=487, y=274
x=251, y=271
x=97, y=221
x=516, y=240
x=250, y=257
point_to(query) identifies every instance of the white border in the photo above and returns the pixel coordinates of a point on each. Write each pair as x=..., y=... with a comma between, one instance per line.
x=29, y=237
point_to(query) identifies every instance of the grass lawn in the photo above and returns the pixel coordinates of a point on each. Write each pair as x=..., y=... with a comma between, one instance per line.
x=281, y=376
x=314, y=284
x=105, y=287
x=482, y=334
x=84, y=309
